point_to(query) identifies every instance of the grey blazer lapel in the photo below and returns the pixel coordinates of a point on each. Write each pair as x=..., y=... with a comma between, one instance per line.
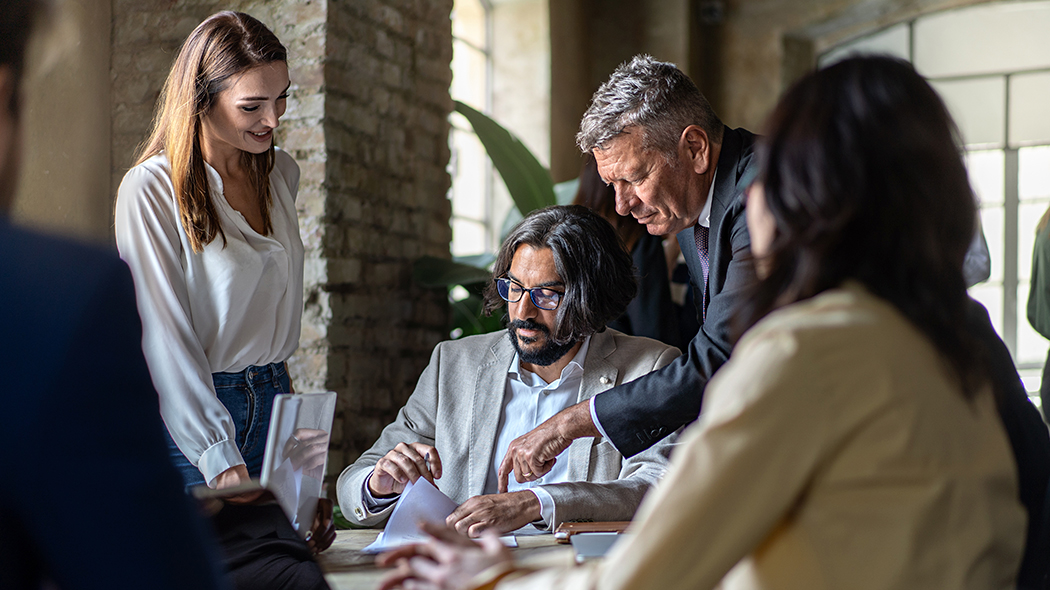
x=490, y=386
x=598, y=375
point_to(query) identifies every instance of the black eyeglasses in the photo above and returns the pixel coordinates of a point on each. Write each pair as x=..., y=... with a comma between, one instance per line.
x=543, y=298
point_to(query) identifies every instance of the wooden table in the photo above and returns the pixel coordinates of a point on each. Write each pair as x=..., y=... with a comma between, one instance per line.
x=347, y=568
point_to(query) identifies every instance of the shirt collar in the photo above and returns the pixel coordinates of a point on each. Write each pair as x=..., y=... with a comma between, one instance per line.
x=705, y=215
x=575, y=366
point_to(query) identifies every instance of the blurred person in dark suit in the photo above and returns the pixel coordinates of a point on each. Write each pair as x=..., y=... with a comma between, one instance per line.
x=88, y=497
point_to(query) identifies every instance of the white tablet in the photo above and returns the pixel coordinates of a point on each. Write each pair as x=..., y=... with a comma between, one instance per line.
x=297, y=452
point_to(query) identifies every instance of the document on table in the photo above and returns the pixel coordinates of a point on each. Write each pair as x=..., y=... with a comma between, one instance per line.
x=420, y=501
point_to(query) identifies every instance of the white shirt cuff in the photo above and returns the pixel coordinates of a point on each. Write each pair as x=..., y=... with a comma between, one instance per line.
x=546, y=505
x=218, y=458
x=594, y=418
x=372, y=504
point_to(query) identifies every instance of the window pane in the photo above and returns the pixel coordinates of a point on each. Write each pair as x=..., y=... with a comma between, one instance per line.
x=468, y=176
x=468, y=75
x=991, y=296
x=996, y=37
x=891, y=41
x=978, y=107
x=1032, y=379
x=1029, y=119
x=992, y=224
x=1033, y=173
x=986, y=175
x=1031, y=347
x=468, y=237
x=468, y=22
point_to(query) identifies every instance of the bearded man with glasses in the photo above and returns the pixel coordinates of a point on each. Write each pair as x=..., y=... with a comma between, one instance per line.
x=563, y=274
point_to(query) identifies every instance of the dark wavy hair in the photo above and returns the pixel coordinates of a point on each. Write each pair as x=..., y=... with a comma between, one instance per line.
x=591, y=260
x=864, y=176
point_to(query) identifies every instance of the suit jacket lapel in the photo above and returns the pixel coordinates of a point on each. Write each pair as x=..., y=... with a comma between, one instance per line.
x=729, y=170
x=598, y=375
x=725, y=181
x=490, y=387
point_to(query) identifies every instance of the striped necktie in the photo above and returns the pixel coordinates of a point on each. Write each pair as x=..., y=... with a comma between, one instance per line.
x=700, y=233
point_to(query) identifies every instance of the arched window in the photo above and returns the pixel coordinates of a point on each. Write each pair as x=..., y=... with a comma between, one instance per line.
x=991, y=64
x=471, y=194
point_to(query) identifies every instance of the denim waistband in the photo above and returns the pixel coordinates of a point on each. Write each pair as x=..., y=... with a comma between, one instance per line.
x=253, y=375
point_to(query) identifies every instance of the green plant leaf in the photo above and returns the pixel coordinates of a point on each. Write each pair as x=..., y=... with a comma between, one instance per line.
x=439, y=272
x=565, y=192
x=528, y=182
x=468, y=318
x=483, y=260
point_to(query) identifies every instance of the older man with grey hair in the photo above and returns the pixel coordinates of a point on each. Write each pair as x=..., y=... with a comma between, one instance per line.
x=677, y=169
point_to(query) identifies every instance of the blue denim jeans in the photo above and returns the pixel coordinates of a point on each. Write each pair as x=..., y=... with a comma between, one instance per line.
x=248, y=396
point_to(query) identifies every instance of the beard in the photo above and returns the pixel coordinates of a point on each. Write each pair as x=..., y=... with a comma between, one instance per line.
x=545, y=355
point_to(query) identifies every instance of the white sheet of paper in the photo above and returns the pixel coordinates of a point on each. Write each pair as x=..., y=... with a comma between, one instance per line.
x=419, y=502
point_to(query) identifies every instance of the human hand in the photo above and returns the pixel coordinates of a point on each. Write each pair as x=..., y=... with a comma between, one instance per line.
x=447, y=561
x=404, y=463
x=233, y=477
x=307, y=448
x=322, y=533
x=499, y=512
x=533, y=454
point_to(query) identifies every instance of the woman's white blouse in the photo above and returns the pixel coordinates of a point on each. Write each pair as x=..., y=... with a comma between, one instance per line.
x=220, y=310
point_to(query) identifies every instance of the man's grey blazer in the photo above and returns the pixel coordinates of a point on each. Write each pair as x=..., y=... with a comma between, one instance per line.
x=456, y=407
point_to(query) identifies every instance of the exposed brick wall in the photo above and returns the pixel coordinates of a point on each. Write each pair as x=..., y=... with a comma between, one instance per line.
x=386, y=127
x=367, y=123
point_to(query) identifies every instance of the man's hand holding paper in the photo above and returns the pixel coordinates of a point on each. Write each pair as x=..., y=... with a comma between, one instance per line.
x=407, y=462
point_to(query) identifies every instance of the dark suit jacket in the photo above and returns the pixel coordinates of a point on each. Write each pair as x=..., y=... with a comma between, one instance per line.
x=637, y=414
x=88, y=497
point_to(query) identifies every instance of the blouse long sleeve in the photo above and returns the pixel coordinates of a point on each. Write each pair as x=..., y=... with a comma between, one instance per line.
x=228, y=307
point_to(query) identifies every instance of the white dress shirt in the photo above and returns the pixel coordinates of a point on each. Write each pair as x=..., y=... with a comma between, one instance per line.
x=529, y=401
x=220, y=310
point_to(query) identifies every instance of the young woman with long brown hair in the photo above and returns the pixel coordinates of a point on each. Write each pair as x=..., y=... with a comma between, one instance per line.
x=206, y=220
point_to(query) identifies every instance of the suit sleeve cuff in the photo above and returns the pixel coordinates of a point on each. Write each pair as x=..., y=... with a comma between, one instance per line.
x=372, y=504
x=594, y=418
x=546, y=505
